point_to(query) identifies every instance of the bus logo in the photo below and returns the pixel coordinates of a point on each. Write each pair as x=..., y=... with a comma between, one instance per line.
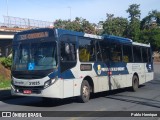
x=99, y=69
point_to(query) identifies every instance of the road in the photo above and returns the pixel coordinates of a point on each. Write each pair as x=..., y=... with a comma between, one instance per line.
x=147, y=98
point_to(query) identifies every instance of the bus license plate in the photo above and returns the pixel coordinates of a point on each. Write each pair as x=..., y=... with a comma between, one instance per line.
x=27, y=91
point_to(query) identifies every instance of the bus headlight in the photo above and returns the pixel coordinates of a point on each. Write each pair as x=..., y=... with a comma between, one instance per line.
x=50, y=82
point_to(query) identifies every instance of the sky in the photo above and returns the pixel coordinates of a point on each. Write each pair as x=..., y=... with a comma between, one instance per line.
x=92, y=10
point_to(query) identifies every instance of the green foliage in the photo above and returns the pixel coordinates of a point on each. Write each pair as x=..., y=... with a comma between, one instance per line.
x=151, y=36
x=115, y=25
x=4, y=83
x=79, y=24
x=150, y=29
x=151, y=20
x=74, y=26
x=133, y=11
x=2, y=59
x=133, y=31
x=7, y=62
x=134, y=25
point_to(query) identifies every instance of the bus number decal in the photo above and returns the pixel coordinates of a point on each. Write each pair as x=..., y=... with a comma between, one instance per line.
x=34, y=83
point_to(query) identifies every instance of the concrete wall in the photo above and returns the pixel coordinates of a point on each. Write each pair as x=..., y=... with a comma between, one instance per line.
x=5, y=47
x=6, y=38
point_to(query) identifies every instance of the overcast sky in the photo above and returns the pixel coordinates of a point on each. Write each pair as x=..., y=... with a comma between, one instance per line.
x=92, y=10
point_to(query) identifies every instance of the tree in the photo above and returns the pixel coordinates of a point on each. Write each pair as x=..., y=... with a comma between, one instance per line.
x=74, y=26
x=115, y=25
x=150, y=29
x=134, y=11
x=60, y=23
x=79, y=24
x=151, y=20
x=134, y=24
x=151, y=36
x=88, y=27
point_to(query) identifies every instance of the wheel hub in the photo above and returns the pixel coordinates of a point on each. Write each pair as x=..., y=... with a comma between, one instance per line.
x=85, y=91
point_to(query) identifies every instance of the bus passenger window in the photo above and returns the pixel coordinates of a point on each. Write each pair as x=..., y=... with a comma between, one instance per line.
x=137, y=54
x=116, y=52
x=104, y=50
x=127, y=53
x=86, y=50
x=145, y=54
x=149, y=55
x=98, y=52
x=84, y=55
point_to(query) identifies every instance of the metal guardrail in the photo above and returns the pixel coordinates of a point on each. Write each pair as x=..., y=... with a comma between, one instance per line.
x=18, y=24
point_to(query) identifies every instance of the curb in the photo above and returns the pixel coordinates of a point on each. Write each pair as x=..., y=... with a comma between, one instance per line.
x=8, y=88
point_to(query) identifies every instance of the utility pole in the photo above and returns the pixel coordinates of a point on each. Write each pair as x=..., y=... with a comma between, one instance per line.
x=70, y=13
x=7, y=6
x=7, y=12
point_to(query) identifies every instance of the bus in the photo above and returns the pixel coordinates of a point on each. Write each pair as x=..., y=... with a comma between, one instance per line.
x=58, y=63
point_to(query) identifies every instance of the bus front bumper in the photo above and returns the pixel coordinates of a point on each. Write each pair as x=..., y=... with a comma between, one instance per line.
x=53, y=91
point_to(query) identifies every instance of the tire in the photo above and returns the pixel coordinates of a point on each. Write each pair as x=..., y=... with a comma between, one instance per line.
x=85, y=92
x=135, y=83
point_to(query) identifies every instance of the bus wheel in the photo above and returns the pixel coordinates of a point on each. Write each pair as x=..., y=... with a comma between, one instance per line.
x=135, y=83
x=85, y=92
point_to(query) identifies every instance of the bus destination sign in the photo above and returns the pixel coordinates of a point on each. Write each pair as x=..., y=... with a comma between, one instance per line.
x=33, y=35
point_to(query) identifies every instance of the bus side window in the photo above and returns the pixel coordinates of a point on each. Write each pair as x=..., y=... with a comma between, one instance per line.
x=137, y=54
x=67, y=52
x=127, y=53
x=98, y=52
x=149, y=55
x=116, y=52
x=104, y=47
x=86, y=50
x=145, y=54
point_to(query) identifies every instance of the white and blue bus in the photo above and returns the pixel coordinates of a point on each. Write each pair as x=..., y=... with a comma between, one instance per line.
x=57, y=63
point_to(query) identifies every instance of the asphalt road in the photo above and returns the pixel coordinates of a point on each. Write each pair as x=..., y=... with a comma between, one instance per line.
x=147, y=98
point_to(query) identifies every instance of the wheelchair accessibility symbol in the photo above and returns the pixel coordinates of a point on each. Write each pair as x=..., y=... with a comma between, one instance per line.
x=31, y=66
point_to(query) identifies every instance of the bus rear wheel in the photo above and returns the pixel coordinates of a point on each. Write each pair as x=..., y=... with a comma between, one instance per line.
x=135, y=83
x=85, y=92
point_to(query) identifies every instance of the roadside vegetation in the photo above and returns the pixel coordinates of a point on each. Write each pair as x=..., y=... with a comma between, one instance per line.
x=6, y=62
x=5, y=65
x=4, y=83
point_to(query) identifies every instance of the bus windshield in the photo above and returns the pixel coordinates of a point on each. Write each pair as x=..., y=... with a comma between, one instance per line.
x=34, y=56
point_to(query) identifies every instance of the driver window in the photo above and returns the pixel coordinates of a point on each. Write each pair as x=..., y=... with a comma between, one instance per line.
x=68, y=51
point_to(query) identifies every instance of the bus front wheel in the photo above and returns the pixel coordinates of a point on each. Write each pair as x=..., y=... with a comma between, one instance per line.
x=85, y=92
x=135, y=83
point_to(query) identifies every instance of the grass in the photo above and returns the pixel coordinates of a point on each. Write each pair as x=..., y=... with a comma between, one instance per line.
x=1, y=59
x=4, y=83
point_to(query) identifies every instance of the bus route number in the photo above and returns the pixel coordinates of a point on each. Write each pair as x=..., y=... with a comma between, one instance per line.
x=34, y=83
